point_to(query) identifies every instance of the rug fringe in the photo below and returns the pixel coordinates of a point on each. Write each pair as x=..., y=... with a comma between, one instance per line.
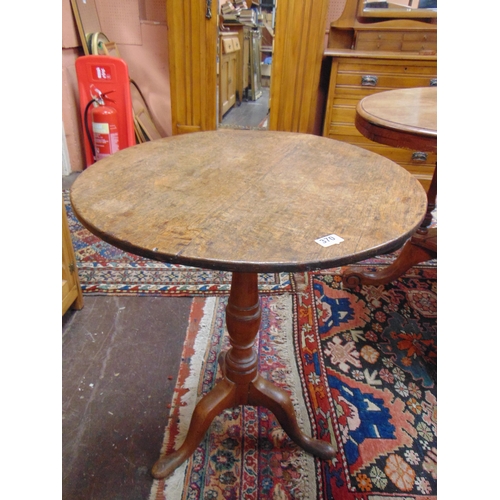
x=174, y=485
x=283, y=344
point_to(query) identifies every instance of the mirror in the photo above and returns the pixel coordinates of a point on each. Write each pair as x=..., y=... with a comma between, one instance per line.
x=252, y=67
x=398, y=9
x=87, y=21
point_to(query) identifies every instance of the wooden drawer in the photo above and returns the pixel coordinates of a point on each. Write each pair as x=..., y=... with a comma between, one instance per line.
x=421, y=169
x=416, y=42
x=361, y=76
x=396, y=41
x=230, y=44
x=411, y=160
x=415, y=159
x=383, y=45
x=373, y=40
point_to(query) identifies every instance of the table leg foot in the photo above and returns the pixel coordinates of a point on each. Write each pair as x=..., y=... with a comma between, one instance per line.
x=264, y=393
x=221, y=397
x=415, y=251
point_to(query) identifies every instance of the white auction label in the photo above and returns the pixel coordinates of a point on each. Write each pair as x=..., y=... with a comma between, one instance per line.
x=328, y=241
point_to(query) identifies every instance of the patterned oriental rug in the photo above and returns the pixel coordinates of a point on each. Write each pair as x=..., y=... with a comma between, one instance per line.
x=360, y=366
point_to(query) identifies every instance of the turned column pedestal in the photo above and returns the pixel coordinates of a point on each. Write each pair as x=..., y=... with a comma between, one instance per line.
x=241, y=383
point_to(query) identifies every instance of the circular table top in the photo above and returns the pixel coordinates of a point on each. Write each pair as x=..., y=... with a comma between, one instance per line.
x=405, y=118
x=249, y=201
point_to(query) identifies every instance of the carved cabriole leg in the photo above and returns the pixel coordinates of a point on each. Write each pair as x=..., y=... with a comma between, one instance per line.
x=219, y=398
x=264, y=393
x=421, y=247
x=412, y=254
x=242, y=384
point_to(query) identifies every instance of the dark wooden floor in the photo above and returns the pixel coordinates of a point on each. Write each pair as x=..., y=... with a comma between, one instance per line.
x=121, y=356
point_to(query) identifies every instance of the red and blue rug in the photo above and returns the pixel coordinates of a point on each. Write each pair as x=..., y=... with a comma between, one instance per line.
x=360, y=366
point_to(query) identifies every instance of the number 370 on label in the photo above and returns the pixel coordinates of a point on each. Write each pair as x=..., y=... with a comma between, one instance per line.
x=331, y=239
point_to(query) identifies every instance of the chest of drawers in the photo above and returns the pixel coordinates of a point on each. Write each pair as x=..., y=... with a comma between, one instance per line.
x=356, y=74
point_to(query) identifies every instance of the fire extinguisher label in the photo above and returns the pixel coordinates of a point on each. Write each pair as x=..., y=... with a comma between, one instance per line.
x=101, y=72
x=114, y=145
x=100, y=128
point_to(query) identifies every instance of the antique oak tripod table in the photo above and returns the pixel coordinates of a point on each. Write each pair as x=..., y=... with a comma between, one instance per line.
x=403, y=118
x=248, y=202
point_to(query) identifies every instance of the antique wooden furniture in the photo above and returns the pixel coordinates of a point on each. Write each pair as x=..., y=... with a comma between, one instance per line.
x=71, y=289
x=234, y=200
x=243, y=57
x=404, y=118
x=230, y=71
x=370, y=53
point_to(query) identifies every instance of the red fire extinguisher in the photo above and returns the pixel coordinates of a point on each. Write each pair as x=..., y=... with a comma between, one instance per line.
x=104, y=140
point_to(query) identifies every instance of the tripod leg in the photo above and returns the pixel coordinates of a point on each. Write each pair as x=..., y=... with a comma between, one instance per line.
x=264, y=393
x=220, y=398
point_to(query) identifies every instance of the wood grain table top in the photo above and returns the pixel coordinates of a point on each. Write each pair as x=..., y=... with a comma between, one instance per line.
x=405, y=118
x=249, y=201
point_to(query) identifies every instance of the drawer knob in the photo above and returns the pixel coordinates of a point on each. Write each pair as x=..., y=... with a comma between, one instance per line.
x=369, y=80
x=433, y=82
x=419, y=156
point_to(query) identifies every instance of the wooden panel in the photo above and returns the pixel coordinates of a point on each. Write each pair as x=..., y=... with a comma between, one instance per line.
x=192, y=40
x=71, y=290
x=298, y=44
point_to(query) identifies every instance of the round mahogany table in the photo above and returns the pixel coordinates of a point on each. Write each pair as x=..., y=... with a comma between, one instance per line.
x=248, y=202
x=403, y=118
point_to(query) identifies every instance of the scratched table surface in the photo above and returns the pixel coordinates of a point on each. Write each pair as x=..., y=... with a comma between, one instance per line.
x=250, y=201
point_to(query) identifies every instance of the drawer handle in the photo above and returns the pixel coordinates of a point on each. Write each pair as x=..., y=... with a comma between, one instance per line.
x=433, y=82
x=369, y=80
x=419, y=156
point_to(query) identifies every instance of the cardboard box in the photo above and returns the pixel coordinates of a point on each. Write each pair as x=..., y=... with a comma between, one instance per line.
x=265, y=69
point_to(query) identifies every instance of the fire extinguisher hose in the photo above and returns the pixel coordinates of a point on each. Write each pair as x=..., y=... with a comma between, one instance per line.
x=87, y=129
